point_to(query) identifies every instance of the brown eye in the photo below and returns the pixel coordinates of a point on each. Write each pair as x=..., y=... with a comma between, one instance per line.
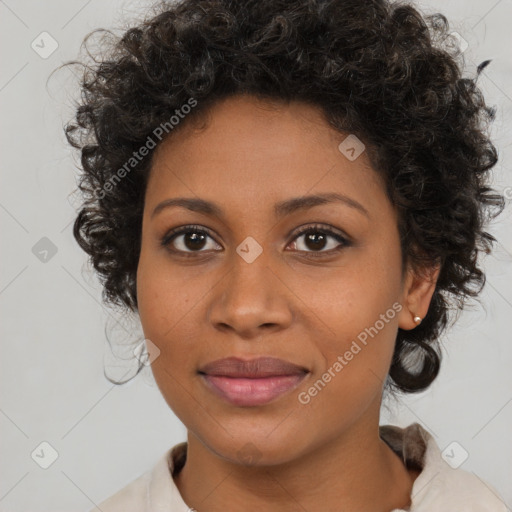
x=316, y=240
x=187, y=239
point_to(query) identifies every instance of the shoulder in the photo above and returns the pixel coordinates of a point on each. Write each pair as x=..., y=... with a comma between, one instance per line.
x=439, y=486
x=131, y=498
x=152, y=491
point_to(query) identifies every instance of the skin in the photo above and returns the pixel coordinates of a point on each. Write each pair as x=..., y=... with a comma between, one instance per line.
x=286, y=303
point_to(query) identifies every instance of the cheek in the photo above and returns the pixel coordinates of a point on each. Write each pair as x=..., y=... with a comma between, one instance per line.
x=163, y=304
x=349, y=299
x=358, y=327
x=355, y=313
x=164, y=297
x=171, y=311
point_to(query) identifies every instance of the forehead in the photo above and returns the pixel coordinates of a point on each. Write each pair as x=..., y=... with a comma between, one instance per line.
x=255, y=151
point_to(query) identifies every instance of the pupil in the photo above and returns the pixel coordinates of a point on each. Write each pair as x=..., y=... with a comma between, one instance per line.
x=315, y=238
x=196, y=239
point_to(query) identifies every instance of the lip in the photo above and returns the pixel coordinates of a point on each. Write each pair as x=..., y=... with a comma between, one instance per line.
x=251, y=382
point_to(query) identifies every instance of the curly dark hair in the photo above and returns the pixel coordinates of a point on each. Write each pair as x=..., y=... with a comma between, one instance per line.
x=380, y=70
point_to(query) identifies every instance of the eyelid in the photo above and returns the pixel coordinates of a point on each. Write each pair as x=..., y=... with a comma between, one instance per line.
x=169, y=235
x=323, y=228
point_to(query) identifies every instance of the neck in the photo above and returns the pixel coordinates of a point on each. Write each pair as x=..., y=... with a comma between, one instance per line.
x=356, y=471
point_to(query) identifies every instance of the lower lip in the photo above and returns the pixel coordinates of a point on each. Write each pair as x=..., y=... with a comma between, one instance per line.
x=251, y=392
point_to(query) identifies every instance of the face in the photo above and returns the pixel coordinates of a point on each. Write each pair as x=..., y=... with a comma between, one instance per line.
x=241, y=280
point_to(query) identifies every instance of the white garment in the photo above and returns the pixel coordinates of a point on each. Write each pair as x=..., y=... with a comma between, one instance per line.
x=438, y=488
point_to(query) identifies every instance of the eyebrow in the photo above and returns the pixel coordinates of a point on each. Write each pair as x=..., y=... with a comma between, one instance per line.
x=281, y=209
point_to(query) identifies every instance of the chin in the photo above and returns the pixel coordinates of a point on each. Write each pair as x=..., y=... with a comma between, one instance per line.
x=254, y=448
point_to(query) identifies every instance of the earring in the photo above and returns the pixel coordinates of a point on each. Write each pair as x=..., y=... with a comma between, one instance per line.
x=417, y=319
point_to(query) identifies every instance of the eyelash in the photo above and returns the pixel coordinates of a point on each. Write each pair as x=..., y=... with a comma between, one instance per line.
x=316, y=228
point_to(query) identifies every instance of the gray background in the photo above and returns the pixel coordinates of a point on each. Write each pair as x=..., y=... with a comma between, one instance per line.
x=53, y=323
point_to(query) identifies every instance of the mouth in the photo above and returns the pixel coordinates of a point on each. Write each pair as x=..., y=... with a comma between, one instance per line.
x=253, y=382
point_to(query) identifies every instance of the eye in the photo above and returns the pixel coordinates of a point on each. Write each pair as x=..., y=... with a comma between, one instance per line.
x=316, y=238
x=186, y=239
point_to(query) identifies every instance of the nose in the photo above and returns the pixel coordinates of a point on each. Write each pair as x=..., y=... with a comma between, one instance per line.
x=250, y=299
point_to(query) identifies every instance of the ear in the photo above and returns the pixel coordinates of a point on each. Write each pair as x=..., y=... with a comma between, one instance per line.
x=417, y=291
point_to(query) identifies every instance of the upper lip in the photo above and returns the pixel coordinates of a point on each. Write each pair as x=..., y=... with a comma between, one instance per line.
x=258, y=367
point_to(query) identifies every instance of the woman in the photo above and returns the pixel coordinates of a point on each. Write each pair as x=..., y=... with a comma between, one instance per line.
x=291, y=196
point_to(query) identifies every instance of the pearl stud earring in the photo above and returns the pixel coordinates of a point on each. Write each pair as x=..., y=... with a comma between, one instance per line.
x=417, y=319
